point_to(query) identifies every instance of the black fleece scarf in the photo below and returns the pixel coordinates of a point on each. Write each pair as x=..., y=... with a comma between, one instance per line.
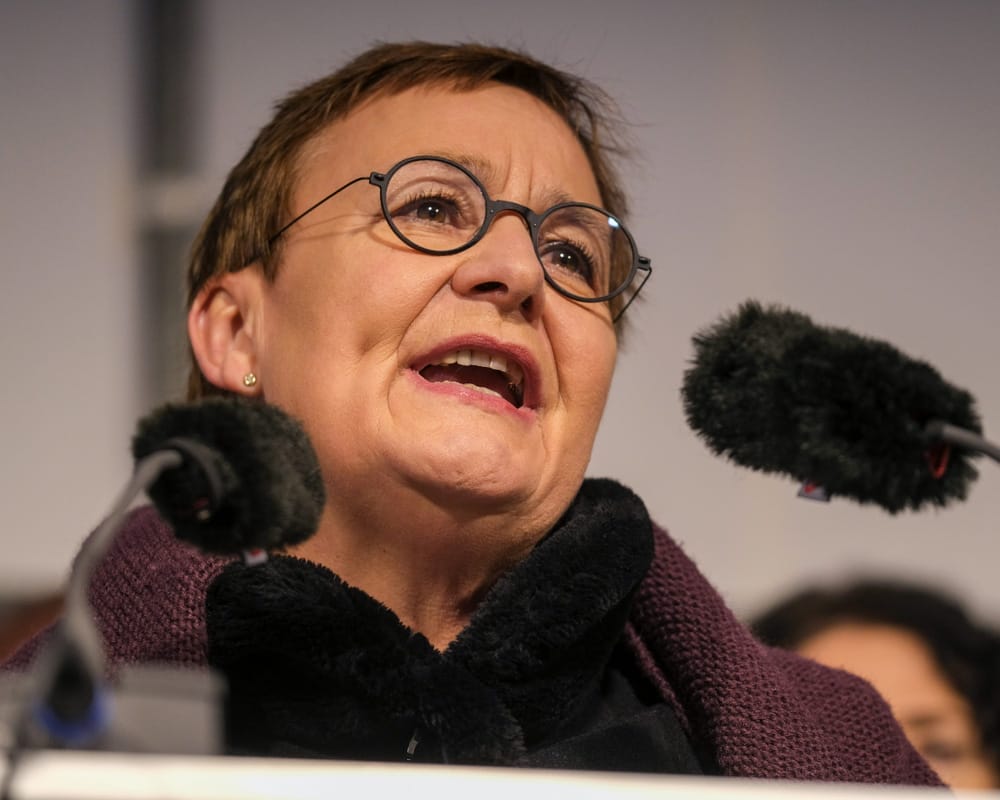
x=318, y=668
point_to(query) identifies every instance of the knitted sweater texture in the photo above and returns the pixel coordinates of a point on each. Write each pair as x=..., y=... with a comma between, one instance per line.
x=749, y=710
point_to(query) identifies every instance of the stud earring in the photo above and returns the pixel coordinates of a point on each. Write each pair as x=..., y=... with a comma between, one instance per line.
x=249, y=380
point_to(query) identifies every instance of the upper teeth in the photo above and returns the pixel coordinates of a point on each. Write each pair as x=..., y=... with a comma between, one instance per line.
x=478, y=358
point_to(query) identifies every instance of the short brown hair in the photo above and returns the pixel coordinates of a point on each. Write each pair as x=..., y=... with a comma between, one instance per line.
x=256, y=196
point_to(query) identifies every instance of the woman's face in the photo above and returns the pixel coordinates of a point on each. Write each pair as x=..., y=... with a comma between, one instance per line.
x=356, y=333
x=936, y=718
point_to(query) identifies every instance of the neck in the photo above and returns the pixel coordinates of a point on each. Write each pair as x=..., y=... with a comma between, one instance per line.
x=431, y=570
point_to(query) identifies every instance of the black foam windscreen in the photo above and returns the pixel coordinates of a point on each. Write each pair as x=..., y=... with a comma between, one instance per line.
x=773, y=391
x=249, y=477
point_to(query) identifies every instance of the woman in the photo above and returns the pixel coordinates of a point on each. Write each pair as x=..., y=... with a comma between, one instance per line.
x=938, y=669
x=413, y=260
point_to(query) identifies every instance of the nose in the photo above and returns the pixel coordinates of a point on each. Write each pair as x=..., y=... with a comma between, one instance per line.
x=503, y=268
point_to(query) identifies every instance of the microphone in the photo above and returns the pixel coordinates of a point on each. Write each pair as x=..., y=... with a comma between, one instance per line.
x=249, y=478
x=230, y=474
x=851, y=415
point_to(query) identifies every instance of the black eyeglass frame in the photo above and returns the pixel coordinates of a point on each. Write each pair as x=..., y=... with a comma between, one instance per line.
x=492, y=209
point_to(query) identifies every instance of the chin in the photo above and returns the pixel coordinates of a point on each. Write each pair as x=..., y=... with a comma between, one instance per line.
x=492, y=474
x=486, y=482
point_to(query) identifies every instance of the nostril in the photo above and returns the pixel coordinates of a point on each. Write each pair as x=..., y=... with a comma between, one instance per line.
x=490, y=286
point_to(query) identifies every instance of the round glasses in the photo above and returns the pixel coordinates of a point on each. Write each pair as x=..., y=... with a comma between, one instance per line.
x=437, y=206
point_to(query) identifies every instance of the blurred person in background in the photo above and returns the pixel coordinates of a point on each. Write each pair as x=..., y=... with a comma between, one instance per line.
x=937, y=667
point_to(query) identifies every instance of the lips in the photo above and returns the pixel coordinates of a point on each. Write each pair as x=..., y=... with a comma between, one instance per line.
x=485, y=370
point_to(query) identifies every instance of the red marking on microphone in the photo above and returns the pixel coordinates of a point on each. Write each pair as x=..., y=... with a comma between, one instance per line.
x=254, y=555
x=937, y=456
x=814, y=491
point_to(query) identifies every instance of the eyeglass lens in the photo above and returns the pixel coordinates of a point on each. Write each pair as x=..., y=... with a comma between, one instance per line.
x=437, y=207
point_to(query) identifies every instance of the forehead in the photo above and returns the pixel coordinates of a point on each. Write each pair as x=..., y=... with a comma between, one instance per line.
x=510, y=139
x=899, y=663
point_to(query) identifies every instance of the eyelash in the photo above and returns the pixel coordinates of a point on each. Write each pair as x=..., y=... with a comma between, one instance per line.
x=585, y=252
x=414, y=200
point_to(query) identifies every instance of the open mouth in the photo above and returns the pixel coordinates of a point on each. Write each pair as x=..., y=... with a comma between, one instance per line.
x=489, y=373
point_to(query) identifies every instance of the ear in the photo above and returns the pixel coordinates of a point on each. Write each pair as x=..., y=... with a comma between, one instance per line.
x=223, y=328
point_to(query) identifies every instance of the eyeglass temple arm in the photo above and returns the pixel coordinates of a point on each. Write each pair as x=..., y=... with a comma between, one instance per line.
x=645, y=266
x=371, y=177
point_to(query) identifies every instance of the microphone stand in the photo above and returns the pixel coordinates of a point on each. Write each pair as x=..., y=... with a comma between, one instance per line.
x=72, y=703
x=65, y=701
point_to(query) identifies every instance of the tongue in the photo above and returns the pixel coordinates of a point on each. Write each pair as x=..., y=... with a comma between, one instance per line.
x=477, y=376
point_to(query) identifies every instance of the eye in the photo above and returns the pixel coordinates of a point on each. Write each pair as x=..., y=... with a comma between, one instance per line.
x=576, y=244
x=435, y=209
x=432, y=210
x=568, y=259
x=943, y=750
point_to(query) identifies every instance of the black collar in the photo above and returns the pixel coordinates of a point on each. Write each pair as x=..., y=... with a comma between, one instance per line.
x=316, y=667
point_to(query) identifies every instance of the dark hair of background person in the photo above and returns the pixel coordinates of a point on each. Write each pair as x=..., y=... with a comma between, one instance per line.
x=255, y=199
x=967, y=652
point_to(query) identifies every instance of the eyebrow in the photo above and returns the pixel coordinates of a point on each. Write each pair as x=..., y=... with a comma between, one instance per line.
x=927, y=719
x=488, y=175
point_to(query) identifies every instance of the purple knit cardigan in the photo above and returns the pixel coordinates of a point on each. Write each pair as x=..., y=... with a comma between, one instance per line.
x=760, y=712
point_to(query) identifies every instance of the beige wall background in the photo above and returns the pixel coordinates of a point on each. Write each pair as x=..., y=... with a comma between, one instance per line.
x=842, y=158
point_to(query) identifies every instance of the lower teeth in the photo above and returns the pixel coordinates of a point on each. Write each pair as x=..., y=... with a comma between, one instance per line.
x=483, y=389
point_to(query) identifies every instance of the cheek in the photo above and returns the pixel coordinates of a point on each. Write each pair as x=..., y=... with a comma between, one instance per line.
x=362, y=297
x=585, y=358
